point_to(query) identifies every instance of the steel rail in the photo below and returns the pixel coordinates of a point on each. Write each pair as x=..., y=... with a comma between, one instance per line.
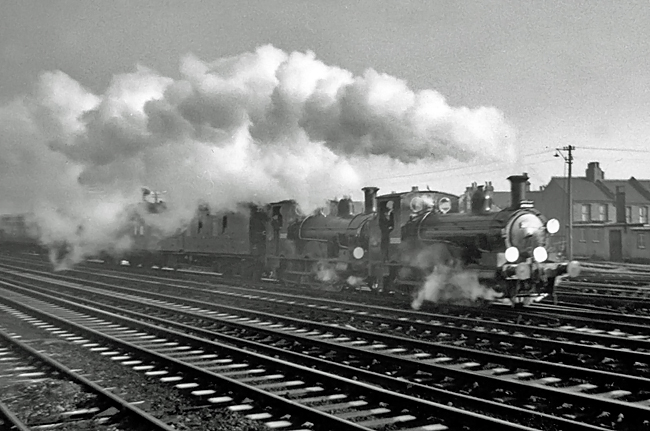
x=12, y=419
x=463, y=326
x=459, y=416
x=576, y=317
x=105, y=395
x=522, y=386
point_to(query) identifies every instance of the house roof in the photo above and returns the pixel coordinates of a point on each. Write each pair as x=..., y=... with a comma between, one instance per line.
x=584, y=190
x=632, y=194
x=636, y=191
x=502, y=199
x=644, y=183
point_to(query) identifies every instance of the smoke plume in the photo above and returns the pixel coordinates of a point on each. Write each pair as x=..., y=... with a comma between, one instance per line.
x=258, y=127
x=325, y=272
x=445, y=279
x=452, y=285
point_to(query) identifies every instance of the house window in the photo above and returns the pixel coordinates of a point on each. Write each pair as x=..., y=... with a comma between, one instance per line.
x=628, y=214
x=640, y=240
x=643, y=215
x=602, y=212
x=215, y=226
x=586, y=212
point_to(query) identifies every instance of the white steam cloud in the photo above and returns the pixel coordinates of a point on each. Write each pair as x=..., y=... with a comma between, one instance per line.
x=257, y=127
x=445, y=279
x=451, y=285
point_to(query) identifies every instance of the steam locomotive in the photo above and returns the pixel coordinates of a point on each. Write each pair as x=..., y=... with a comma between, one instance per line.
x=403, y=239
x=400, y=242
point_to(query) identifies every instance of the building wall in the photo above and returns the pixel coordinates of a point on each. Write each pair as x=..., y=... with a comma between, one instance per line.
x=593, y=211
x=591, y=241
x=637, y=244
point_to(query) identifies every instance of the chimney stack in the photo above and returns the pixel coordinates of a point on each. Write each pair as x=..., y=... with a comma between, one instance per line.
x=344, y=208
x=517, y=189
x=594, y=173
x=370, y=199
x=478, y=200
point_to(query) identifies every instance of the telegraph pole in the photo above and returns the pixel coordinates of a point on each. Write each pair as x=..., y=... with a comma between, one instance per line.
x=569, y=160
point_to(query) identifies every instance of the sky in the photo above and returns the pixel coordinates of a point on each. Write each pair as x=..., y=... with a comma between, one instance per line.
x=563, y=73
x=384, y=93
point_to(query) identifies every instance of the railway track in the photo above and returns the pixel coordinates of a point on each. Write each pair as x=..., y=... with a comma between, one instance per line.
x=579, y=323
x=579, y=294
x=540, y=314
x=618, y=266
x=540, y=386
x=88, y=404
x=633, y=292
x=596, y=339
x=615, y=273
x=269, y=388
x=583, y=317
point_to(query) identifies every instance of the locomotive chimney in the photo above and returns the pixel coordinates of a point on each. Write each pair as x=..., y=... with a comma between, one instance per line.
x=344, y=208
x=478, y=200
x=620, y=204
x=517, y=189
x=489, y=191
x=333, y=208
x=370, y=199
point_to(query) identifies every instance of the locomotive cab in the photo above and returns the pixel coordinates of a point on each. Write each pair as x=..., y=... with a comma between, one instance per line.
x=395, y=210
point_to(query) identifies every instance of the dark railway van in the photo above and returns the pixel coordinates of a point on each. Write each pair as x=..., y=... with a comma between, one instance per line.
x=232, y=243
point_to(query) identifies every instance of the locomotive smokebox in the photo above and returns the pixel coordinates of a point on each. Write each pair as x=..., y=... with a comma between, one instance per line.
x=370, y=199
x=517, y=189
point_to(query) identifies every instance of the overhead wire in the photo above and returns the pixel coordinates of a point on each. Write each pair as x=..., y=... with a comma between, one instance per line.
x=458, y=168
x=629, y=150
x=494, y=169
